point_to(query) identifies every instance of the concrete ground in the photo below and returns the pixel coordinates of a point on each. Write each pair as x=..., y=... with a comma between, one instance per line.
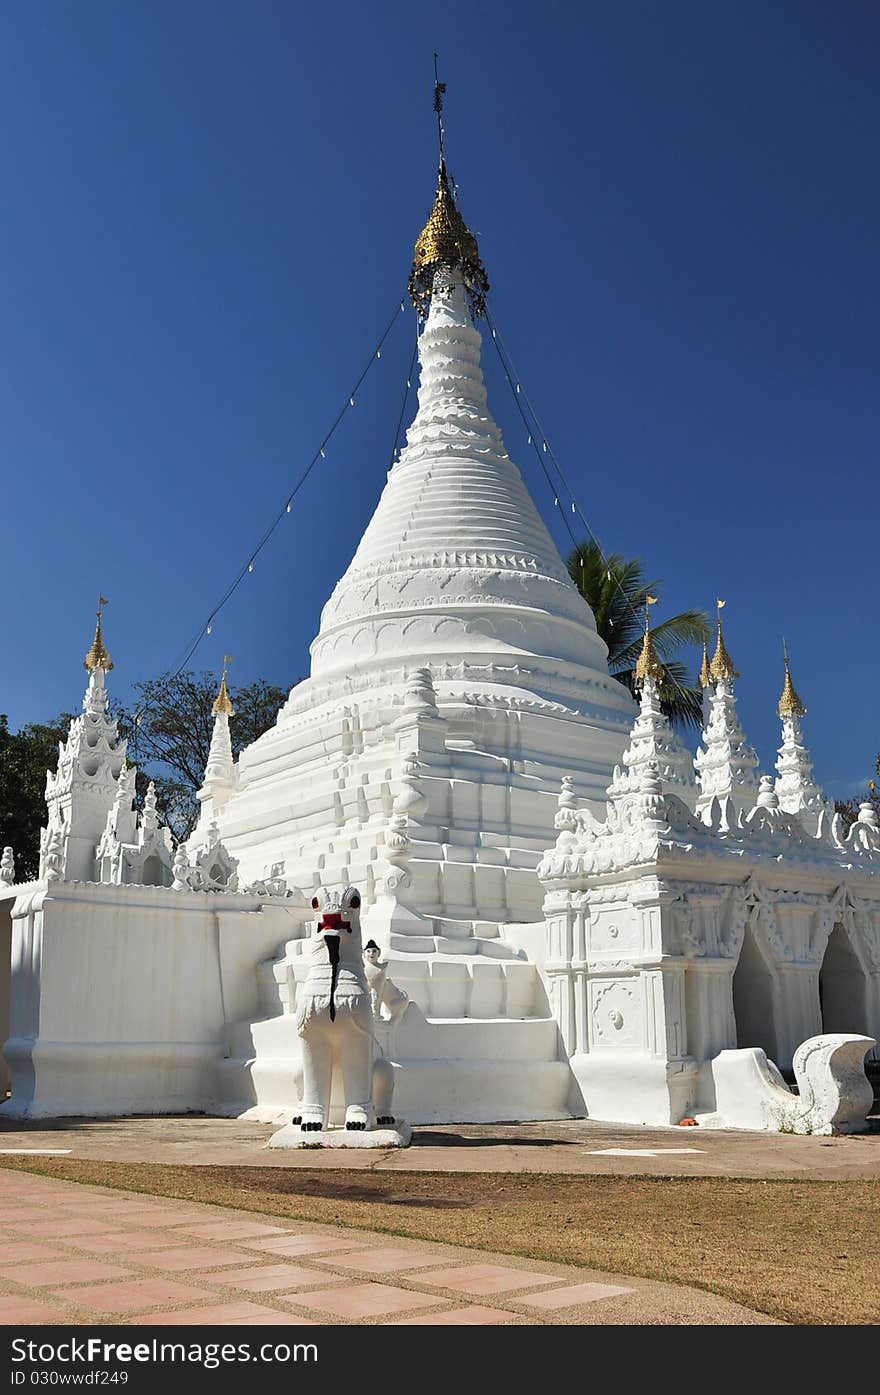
x=564, y=1146
x=73, y=1254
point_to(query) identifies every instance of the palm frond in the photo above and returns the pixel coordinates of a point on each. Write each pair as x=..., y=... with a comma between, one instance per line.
x=688, y=627
x=616, y=591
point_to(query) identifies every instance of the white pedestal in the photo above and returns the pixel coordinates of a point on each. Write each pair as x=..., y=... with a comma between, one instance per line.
x=292, y=1136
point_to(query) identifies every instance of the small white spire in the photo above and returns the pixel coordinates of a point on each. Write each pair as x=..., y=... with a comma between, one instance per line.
x=181, y=869
x=150, y=816
x=653, y=744
x=566, y=805
x=219, y=779
x=81, y=792
x=796, y=789
x=725, y=761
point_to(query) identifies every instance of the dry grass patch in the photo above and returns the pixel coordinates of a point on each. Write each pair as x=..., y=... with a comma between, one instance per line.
x=804, y=1252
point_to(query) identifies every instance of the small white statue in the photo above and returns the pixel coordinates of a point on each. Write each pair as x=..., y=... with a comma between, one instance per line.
x=53, y=863
x=334, y=1018
x=388, y=1001
x=181, y=870
x=7, y=867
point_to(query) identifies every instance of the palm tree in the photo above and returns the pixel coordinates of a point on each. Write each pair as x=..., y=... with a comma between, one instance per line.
x=615, y=590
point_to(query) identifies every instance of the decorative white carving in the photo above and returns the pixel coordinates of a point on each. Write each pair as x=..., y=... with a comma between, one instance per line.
x=181, y=869
x=212, y=868
x=726, y=763
x=653, y=742
x=833, y=1096
x=82, y=790
x=615, y=1013
x=7, y=867
x=798, y=792
x=53, y=862
x=566, y=811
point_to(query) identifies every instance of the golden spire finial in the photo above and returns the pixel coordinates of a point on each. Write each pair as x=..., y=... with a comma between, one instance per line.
x=648, y=664
x=97, y=656
x=722, y=664
x=789, y=704
x=222, y=702
x=705, y=676
x=446, y=240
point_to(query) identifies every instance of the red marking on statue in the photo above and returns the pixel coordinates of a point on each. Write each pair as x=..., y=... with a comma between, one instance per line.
x=331, y=920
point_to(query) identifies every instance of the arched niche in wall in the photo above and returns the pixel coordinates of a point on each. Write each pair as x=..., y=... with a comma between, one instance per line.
x=753, y=998
x=842, y=999
x=153, y=873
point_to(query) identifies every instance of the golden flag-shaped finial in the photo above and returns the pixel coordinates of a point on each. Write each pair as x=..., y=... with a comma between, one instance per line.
x=722, y=665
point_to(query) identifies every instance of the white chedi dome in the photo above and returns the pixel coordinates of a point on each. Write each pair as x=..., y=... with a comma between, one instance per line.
x=456, y=565
x=456, y=578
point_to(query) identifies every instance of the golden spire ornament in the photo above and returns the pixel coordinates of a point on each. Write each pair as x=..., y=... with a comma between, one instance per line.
x=705, y=677
x=722, y=664
x=446, y=240
x=648, y=664
x=789, y=704
x=222, y=703
x=97, y=656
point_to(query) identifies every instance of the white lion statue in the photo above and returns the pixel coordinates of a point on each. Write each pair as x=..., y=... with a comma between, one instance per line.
x=334, y=1018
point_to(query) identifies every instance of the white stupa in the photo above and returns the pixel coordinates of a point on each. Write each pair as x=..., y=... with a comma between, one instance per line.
x=457, y=675
x=448, y=757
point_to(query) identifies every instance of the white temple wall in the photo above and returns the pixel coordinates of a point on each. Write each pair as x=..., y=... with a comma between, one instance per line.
x=120, y=995
x=620, y=1003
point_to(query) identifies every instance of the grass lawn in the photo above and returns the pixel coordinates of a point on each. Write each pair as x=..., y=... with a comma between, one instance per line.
x=804, y=1252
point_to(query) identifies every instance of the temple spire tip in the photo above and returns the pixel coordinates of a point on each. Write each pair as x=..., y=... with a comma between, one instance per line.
x=648, y=664
x=446, y=240
x=97, y=655
x=722, y=665
x=705, y=677
x=222, y=702
x=789, y=704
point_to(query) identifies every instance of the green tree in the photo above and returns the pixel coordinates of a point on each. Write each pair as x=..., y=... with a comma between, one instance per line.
x=169, y=725
x=615, y=589
x=25, y=756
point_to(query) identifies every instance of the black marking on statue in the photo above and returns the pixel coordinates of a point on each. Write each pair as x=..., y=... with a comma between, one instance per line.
x=332, y=943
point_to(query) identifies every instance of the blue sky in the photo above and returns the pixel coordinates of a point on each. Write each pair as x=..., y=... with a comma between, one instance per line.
x=209, y=212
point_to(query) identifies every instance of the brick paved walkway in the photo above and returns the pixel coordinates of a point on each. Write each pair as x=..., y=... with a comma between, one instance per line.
x=75, y=1254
